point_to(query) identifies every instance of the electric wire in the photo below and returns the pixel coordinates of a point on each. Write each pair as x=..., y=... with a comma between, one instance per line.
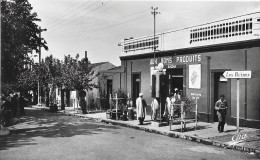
x=135, y=13
x=84, y=15
x=50, y=21
x=104, y=28
x=66, y=20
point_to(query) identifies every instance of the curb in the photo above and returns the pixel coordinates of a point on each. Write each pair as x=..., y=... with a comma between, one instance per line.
x=205, y=141
x=186, y=137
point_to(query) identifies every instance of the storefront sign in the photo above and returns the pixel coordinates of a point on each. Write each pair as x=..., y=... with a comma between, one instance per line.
x=188, y=59
x=166, y=61
x=195, y=76
x=237, y=74
x=172, y=61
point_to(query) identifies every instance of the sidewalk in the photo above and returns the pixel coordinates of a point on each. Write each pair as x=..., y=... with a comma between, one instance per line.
x=206, y=133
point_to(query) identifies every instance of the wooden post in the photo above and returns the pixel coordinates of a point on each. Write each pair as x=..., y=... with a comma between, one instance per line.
x=116, y=106
x=196, y=113
x=109, y=102
x=238, y=105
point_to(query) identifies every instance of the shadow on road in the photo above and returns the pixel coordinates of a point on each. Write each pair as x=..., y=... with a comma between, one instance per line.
x=40, y=123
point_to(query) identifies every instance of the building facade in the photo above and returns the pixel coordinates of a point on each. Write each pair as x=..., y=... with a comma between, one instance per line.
x=193, y=60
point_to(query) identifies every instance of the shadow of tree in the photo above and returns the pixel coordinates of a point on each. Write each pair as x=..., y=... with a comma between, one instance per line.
x=43, y=124
x=188, y=129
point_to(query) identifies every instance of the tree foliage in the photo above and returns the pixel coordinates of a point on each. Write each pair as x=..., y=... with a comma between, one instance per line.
x=69, y=74
x=20, y=35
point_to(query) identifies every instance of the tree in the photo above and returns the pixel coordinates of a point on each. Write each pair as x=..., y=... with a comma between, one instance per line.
x=75, y=75
x=20, y=35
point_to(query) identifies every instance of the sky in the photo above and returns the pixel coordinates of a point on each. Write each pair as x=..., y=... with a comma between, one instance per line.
x=96, y=26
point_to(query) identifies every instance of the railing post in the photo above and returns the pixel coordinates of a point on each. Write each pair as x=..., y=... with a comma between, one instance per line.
x=116, y=106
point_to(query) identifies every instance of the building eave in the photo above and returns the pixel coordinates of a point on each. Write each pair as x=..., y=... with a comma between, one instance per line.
x=194, y=50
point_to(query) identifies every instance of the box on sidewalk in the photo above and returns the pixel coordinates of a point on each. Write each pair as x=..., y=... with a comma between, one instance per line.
x=156, y=124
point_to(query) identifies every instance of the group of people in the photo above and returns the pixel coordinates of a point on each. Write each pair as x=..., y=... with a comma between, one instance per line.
x=169, y=105
x=220, y=106
x=10, y=104
x=141, y=104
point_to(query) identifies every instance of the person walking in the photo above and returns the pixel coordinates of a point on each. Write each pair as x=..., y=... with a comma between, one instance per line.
x=14, y=104
x=22, y=104
x=155, y=108
x=221, y=108
x=140, y=108
x=6, y=114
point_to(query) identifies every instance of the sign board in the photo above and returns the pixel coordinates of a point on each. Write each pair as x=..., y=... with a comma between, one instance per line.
x=237, y=74
x=197, y=95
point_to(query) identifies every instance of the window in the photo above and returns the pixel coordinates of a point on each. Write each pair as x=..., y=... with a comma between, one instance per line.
x=250, y=25
x=243, y=27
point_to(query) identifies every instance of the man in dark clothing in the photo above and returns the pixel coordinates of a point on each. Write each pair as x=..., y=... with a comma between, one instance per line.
x=22, y=104
x=6, y=113
x=14, y=102
x=221, y=107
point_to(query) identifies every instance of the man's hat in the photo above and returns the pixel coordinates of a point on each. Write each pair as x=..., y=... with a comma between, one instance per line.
x=141, y=94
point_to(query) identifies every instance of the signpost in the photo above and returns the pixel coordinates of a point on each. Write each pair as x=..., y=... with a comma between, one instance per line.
x=196, y=96
x=238, y=75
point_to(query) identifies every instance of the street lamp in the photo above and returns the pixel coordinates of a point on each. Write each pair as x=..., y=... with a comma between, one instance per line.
x=154, y=12
x=39, y=80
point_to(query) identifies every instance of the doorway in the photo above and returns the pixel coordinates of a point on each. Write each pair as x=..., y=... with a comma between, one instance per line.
x=175, y=80
x=220, y=86
x=136, y=83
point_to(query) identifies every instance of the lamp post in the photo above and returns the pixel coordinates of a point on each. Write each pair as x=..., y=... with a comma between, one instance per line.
x=39, y=80
x=154, y=12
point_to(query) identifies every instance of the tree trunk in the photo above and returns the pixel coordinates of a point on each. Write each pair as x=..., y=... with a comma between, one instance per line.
x=35, y=97
x=68, y=98
x=62, y=100
x=47, y=97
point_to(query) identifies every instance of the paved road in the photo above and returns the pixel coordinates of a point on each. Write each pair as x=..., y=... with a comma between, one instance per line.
x=47, y=136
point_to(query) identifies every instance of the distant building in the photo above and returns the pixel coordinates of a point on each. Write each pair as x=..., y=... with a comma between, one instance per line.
x=97, y=68
x=193, y=60
x=109, y=81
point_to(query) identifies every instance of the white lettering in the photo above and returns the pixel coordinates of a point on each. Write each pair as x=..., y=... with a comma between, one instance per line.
x=199, y=58
x=239, y=137
x=177, y=59
x=188, y=59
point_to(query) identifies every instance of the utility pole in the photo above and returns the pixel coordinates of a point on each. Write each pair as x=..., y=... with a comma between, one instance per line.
x=154, y=12
x=39, y=80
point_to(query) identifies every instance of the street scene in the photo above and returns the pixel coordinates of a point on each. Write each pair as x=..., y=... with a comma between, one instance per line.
x=91, y=79
x=45, y=135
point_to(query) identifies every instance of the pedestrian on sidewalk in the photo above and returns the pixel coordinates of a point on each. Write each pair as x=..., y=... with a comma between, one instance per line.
x=221, y=108
x=14, y=104
x=155, y=108
x=140, y=108
x=6, y=111
x=22, y=103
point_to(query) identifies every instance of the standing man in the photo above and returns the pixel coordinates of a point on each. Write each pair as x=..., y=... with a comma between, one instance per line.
x=221, y=107
x=155, y=108
x=140, y=108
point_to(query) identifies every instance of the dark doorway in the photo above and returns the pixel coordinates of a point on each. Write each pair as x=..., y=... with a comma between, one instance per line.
x=136, y=86
x=220, y=87
x=109, y=89
x=175, y=80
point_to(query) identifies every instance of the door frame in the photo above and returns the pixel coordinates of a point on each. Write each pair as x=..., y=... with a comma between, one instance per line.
x=132, y=85
x=212, y=93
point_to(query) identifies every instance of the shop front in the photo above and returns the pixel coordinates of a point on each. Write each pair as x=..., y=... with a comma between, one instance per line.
x=199, y=74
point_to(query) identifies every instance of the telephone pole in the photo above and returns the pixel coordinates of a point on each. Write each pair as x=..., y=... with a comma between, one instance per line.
x=154, y=12
x=39, y=80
